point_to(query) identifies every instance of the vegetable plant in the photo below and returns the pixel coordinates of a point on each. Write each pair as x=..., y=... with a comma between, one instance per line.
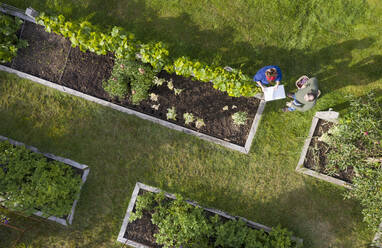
x=171, y=114
x=181, y=224
x=356, y=144
x=153, y=97
x=199, y=123
x=188, y=118
x=240, y=118
x=158, y=81
x=29, y=182
x=9, y=42
x=130, y=79
x=177, y=91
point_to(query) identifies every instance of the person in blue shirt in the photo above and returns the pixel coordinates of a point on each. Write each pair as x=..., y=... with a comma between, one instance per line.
x=268, y=75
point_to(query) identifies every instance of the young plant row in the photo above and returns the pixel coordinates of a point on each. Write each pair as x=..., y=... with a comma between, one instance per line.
x=29, y=182
x=9, y=42
x=123, y=45
x=356, y=143
x=183, y=225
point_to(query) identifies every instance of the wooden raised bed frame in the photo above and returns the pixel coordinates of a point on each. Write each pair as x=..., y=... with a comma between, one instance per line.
x=10, y=10
x=85, y=171
x=139, y=186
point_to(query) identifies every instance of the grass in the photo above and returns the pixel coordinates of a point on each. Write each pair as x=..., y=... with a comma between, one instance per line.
x=339, y=42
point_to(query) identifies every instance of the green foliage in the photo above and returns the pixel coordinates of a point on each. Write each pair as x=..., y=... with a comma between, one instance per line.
x=356, y=143
x=240, y=118
x=88, y=37
x=29, y=182
x=182, y=224
x=155, y=54
x=130, y=78
x=188, y=118
x=171, y=114
x=234, y=82
x=9, y=43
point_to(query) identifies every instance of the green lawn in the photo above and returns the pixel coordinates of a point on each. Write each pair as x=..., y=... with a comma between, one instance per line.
x=339, y=42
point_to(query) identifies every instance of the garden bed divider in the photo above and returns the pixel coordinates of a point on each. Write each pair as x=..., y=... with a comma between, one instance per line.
x=327, y=116
x=377, y=241
x=83, y=167
x=139, y=186
x=10, y=10
x=170, y=125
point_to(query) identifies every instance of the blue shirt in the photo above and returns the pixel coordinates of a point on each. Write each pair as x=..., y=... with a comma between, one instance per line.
x=261, y=77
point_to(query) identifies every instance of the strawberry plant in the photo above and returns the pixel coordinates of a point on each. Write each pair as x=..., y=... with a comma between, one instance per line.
x=29, y=182
x=9, y=42
x=181, y=224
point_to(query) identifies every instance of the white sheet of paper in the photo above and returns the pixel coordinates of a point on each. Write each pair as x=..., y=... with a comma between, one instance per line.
x=270, y=93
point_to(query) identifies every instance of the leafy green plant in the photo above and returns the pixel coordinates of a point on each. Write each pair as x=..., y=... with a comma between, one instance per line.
x=177, y=91
x=170, y=85
x=356, y=144
x=89, y=37
x=29, y=182
x=9, y=43
x=181, y=224
x=199, y=123
x=234, y=82
x=171, y=114
x=154, y=97
x=130, y=78
x=240, y=118
x=188, y=118
x=158, y=81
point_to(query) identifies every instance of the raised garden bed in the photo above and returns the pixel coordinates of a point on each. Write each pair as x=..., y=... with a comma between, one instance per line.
x=140, y=232
x=50, y=60
x=81, y=169
x=312, y=165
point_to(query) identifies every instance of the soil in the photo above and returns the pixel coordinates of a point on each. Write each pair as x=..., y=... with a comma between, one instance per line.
x=316, y=157
x=47, y=53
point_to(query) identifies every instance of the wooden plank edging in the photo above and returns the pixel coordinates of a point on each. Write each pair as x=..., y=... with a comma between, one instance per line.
x=139, y=186
x=167, y=124
x=83, y=167
x=327, y=116
x=10, y=10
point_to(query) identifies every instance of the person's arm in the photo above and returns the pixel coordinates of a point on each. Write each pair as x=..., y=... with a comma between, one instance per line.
x=260, y=85
x=304, y=107
x=277, y=84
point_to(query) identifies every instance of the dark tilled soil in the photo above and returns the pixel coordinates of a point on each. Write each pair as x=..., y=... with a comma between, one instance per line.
x=316, y=157
x=45, y=55
x=86, y=71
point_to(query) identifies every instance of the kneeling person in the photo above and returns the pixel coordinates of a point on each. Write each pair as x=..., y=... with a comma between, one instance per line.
x=305, y=98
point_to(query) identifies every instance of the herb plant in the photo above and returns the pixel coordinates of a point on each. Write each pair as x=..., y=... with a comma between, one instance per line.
x=181, y=224
x=240, y=118
x=9, y=42
x=171, y=114
x=29, y=182
x=130, y=78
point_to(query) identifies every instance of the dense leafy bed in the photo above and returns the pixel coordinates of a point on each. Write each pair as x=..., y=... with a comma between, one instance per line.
x=9, y=43
x=356, y=143
x=123, y=45
x=130, y=78
x=29, y=182
x=182, y=224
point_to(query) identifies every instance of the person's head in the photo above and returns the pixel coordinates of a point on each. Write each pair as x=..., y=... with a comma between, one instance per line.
x=271, y=74
x=310, y=97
